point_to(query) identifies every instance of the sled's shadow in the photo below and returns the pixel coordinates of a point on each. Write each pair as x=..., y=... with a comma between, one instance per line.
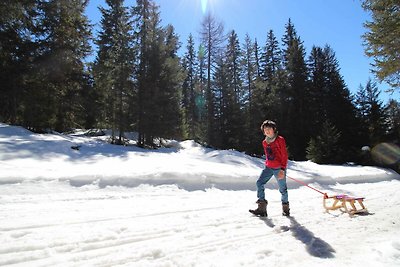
x=315, y=246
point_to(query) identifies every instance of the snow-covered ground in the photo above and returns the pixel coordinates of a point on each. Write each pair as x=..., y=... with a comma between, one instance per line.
x=105, y=205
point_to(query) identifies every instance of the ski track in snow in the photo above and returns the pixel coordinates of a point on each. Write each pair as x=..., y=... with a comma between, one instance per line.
x=112, y=243
x=168, y=226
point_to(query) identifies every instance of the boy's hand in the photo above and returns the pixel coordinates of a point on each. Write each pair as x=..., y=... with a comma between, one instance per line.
x=281, y=174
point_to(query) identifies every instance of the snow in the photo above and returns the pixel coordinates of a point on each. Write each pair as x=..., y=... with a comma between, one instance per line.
x=186, y=205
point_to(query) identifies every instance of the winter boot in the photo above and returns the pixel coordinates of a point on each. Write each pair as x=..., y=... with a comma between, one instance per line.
x=262, y=208
x=285, y=209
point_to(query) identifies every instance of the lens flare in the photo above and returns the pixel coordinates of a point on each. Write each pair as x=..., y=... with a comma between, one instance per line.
x=204, y=6
x=386, y=153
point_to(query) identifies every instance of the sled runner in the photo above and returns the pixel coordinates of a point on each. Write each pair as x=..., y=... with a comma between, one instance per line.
x=345, y=203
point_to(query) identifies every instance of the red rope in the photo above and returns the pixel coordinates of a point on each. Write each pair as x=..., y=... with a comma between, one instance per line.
x=303, y=183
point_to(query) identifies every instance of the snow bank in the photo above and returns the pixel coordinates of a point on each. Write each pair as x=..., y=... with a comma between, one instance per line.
x=28, y=156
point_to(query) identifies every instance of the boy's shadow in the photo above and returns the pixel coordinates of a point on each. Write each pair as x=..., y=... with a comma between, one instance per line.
x=315, y=246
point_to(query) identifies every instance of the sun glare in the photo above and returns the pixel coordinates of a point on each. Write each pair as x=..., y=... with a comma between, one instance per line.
x=204, y=6
x=214, y=6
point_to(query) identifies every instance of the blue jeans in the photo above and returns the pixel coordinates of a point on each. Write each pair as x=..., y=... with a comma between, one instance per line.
x=265, y=176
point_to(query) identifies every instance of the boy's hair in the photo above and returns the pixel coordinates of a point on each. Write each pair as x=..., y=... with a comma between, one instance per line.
x=268, y=123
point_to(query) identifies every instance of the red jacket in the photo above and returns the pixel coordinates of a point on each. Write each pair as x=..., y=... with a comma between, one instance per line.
x=276, y=153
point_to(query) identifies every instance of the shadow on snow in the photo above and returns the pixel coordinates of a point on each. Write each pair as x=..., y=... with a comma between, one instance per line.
x=315, y=246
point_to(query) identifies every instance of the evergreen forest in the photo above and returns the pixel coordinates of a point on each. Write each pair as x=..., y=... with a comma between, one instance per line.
x=212, y=88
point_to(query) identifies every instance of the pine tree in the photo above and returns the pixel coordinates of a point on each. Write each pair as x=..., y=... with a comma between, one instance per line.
x=250, y=58
x=90, y=101
x=319, y=91
x=257, y=59
x=17, y=48
x=372, y=113
x=60, y=75
x=325, y=148
x=229, y=97
x=382, y=41
x=392, y=111
x=234, y=95
x=190, y=65
x=201, y=105
x=159, y=76
x=221, y=103
x=271, y=65
x=212, y=37
x=271, y=58
x=295, y=93
x=170, y=114
x=114, y=67
x=148, y=40
x=329, y=99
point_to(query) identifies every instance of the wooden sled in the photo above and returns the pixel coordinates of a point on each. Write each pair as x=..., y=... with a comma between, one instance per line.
x=345, y=203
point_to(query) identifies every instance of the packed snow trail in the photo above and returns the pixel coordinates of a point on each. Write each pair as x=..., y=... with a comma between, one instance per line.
x=55, y=224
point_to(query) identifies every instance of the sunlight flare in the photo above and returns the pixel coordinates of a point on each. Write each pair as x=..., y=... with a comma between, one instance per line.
x=204, y=6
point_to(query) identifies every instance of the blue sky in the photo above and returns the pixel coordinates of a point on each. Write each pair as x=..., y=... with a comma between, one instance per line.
x=338, y=23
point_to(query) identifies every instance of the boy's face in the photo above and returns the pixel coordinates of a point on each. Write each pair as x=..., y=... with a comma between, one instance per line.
x=269, y=131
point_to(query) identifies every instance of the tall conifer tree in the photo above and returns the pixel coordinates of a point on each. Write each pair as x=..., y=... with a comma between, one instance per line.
x=158, y=76
x=190, y=64
x=250, y=75
x=296, y=93
x=330, y=100
x=382, y=41
x=114, y=68
x=148, y=32
x=233, y=95
x=60, y=67
x=212, y=38
x=271, y=66
x=17, y=47
x=319, y=92
x=392, y=111
x=372, y=112
x=169, y=118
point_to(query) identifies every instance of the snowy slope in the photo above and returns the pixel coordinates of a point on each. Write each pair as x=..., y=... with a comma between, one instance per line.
x=186, y=205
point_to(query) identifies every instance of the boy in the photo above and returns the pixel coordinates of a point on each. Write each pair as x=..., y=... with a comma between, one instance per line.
x=275, y=164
